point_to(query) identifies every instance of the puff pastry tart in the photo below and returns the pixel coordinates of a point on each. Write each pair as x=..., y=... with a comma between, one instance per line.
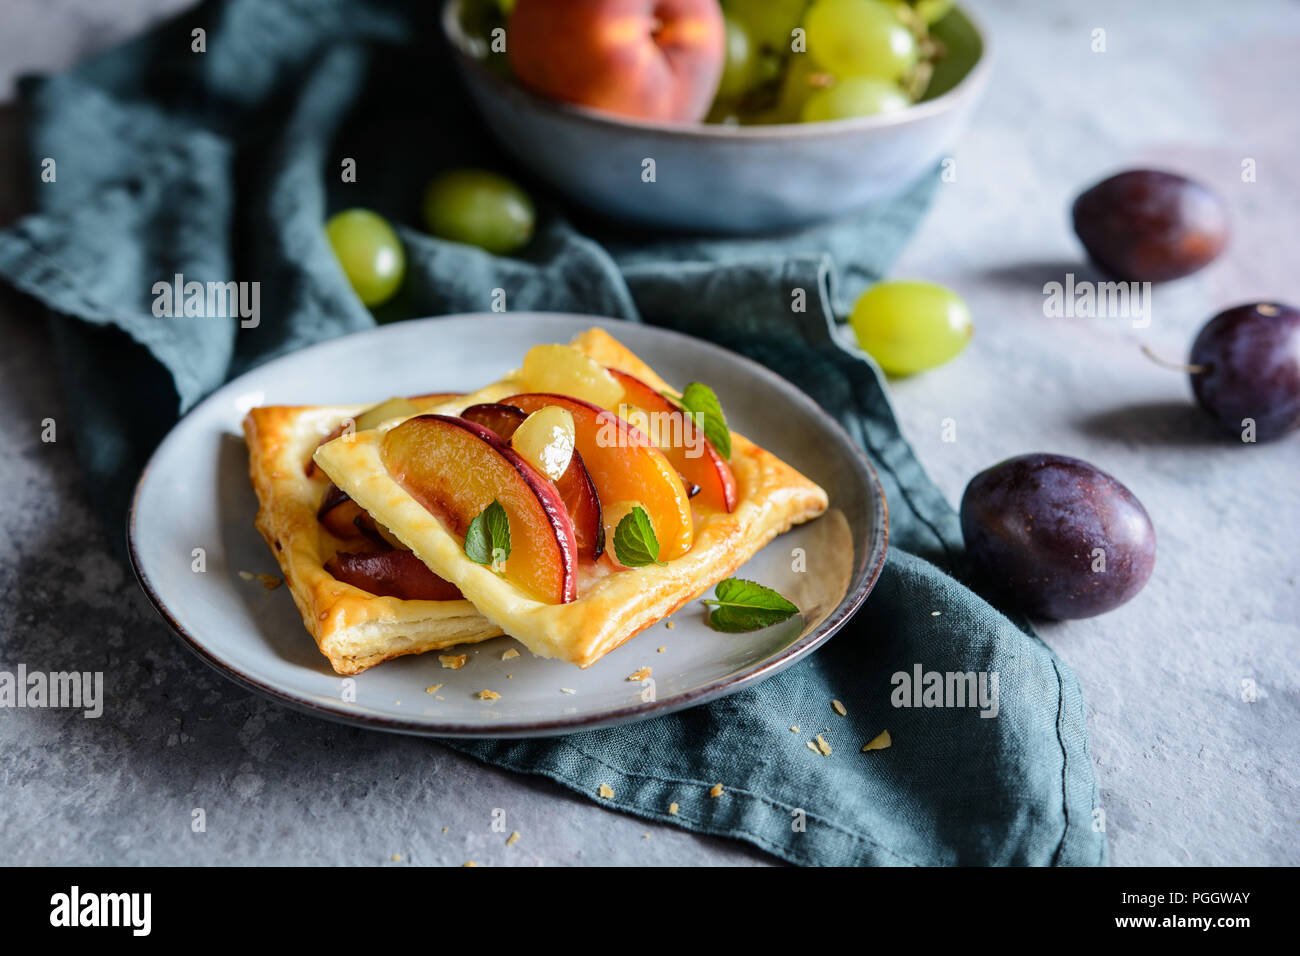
x=383, y=603
x=573, y=502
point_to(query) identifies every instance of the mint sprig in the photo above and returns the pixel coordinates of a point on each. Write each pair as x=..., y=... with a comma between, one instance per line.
x=635, y=544
x=746, y=606
x=487, y=540
x=702, y=405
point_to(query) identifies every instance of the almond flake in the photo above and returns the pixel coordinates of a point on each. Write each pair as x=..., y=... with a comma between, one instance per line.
x=716, y=791
x=672, y=808
x=509, y=655
x=640, y=675
x=567, y=690
x=794, y=728
x=879, y=742
x=452, y=661
x=246, y=575
x=432, y=688
x=839, y=708
x=514, y=838
x=820, y=745
x=488, y=695
x=606, y=791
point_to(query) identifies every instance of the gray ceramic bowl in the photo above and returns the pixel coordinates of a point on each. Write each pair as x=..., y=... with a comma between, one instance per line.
x=732, y=179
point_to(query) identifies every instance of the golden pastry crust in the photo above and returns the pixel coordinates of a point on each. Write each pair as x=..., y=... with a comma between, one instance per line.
x=611, y=608
x=353, y=628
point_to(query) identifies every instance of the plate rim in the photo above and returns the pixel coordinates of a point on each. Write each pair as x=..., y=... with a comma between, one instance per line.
x=869, y=569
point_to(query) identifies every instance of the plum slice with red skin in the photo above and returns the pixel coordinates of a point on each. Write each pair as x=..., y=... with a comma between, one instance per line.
x=455, y=468
x=398, y=574
x=575, y=486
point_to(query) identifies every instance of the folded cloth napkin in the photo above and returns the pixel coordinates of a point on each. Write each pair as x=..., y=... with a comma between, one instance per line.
x=222, y=164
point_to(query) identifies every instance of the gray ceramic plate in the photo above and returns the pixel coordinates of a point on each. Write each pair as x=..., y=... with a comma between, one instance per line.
x=195, y=494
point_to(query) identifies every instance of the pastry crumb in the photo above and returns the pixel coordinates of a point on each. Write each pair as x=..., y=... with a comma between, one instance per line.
x=934, y=613
x=645, y=836
x=488, y=695
x=672, y=808
x=662, y=649
x=453, y=661
x=669, y=624
x=819, y=745
x=794, y=728
x=606, y=791
x=432, y=688
x=715, y=791
x=246, y=575
x=879, y=742
x=270, y=581
x=513, y=839
x=839, y=708
x=469, y=863
x=567, y=690
x=509, y=655
x=640, y=675
x=444, y=829
x=397, y=858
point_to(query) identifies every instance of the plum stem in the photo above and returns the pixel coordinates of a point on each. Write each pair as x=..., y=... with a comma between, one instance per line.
x=1176, y=366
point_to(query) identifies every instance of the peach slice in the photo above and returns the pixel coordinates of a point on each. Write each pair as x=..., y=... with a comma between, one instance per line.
x=455, y=468
x=575, y=485
x=398, y=574
x=684, y=444
x=626, y=466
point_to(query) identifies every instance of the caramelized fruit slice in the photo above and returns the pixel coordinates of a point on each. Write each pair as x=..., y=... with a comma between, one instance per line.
x=502, y=419
x=575, y=485
x=564, y=370
x=339, y=513
x=625, y=466
x=456, y=468
x=583, y=503
x=683, y=443
x=398, y=574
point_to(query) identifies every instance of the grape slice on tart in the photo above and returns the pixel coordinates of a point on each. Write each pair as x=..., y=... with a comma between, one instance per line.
x=436, y=480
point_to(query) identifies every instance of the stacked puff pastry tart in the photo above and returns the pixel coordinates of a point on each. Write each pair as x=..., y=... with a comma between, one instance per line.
x=570, y=505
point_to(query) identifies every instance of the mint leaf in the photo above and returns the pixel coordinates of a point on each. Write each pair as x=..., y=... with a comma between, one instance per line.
x=635, y=544
x=487, y=540
x=706, y=411
x=745, y=606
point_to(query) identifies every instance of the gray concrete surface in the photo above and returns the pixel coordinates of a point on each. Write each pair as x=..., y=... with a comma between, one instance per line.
x=1193, y=771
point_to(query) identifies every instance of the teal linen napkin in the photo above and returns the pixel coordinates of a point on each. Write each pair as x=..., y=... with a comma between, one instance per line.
x=222, y=165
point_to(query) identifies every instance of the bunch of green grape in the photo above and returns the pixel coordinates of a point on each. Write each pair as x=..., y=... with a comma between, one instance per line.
x=792, y=61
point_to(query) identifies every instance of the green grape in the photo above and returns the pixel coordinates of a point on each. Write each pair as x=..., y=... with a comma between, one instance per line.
x=479, y=208
x=369, y=252
x=860, y=38
x=931, y=11
x=854, y=96
x=770, y=22
x=802, y=80
x=909, y=326
x=741, y=65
